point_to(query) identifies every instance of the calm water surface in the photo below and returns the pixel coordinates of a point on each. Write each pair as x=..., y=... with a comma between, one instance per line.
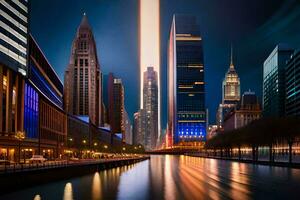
x=174, y=177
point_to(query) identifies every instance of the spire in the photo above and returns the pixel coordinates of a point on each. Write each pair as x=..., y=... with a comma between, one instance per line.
x=231, y=59
x=84, y=22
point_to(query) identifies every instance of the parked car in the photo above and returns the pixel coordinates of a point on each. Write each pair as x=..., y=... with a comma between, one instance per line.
x=37, y=159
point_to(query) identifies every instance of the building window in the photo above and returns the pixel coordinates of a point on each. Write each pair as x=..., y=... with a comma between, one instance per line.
x=31, y=110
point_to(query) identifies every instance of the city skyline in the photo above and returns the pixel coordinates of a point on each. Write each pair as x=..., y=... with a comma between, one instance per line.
x=109, y=42
x=130, y=118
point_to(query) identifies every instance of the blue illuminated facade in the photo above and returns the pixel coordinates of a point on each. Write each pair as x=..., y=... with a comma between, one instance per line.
x=31, y=111
x=41, y=83
x=187, y=113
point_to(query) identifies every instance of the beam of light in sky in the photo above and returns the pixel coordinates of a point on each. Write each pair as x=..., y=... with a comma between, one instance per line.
x=150, y=44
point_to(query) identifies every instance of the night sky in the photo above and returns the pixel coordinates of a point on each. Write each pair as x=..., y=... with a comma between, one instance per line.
x=254, y=27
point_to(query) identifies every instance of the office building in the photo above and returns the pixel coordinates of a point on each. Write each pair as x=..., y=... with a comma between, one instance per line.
x=186, y=87
x=83, y=78
x=247, y=111
x=127, y=128
x=274, y=81
x=14, y=20
x=116, y=105
x=292, y=85
x=139, y=128
x=150, y=102
x=44, y=117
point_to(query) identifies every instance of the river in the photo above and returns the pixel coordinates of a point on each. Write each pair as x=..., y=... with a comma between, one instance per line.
x=174, y=177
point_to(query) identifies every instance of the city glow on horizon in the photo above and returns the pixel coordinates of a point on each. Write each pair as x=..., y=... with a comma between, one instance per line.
x=150, y=44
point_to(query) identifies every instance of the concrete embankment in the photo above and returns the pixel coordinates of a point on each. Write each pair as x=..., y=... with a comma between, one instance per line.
x=258, y=162
x=13, y=180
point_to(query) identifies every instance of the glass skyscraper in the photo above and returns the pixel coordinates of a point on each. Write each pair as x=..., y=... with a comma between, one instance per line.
x=186, y=87
x=14, y=34
x=292, y=85
x=13, y=63
x=274, y=81
x=150, y=102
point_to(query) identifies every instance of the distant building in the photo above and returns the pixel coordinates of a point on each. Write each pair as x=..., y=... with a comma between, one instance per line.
x=116, y=105
x=138, y=128
x=292, y=85
x=230, y=92
x=247, y=111
x=274, y=81
x=127, y=128
x=83, y=78
x=186, y=87
x=150, y=102
x=212, y=131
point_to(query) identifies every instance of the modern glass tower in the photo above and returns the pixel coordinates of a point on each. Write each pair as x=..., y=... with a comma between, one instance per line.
x=150, y=101
x=83, y=78
x=292, y=85
x=274, y=81
x=14, y=34
x=13, y=63
x=186, y=87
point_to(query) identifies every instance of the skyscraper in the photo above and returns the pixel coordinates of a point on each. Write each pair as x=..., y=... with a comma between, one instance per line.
x=116, y=105
x=231, y=92
x=13, y=63
x=138, y=128
x=149, y=38
x=127, y=128
x=292, y=85
x=83, y=78
x=150, y=101
x=186, y=87
x=274, y=81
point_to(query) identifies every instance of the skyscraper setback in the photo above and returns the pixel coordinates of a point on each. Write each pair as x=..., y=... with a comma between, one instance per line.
x=186, y=87
x=83, y=78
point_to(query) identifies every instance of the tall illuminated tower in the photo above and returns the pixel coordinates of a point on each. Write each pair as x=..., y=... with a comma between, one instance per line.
x=149, y=44
x=150, y=100
x=186, y=87
x=83, y=78
x=231, y=85
x=231, y=92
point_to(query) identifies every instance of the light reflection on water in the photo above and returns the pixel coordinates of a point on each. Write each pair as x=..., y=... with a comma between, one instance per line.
x=174, y=177
x=68, y=192
x=96, y=187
